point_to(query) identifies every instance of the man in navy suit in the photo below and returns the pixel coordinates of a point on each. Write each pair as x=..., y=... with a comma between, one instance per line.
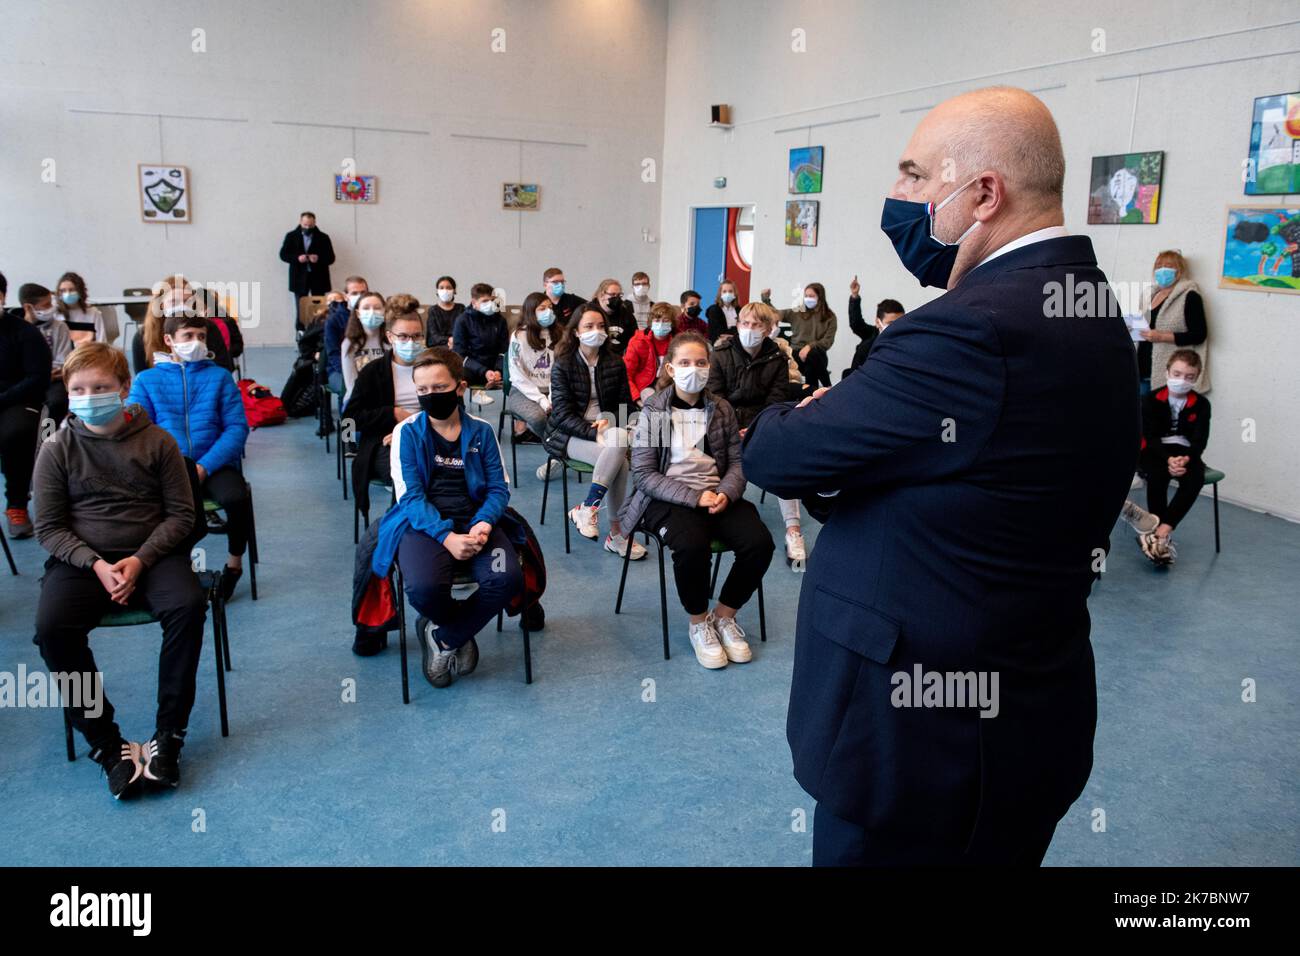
x=944, y=698
x=309, y=253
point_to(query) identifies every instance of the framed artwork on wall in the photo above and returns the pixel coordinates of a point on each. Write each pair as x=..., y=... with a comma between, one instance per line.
x=524, y=197
x=356, y=190
x=164, y=193
x=1125, y=188
x=801, y=217
x=806, y=169
x=1261, y=249
x=1273, y=167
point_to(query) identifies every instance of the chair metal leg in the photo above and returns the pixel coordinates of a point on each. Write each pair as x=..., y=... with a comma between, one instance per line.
x=622, y=580
x=663, y=597
x=67, y=733
x=1216, y=517
x=514, y=452
x=546, y=488
x=9, y=555
x=338, y=463
x=400, y=597
x=564, y=473
x=252, y=544
x=713, y=580
x=762, y=615
x=762, y=497
x=221, y=675
x=219, y=620
x=329, y=418
x=528, y=650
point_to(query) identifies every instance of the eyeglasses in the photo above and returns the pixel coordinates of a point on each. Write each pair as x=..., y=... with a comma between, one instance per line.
x=403, y=338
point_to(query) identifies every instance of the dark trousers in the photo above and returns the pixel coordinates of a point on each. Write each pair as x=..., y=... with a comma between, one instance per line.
x=814, y=368
x=72, y=602
x=18, y=431
x=428, y=569
x=227, y=487
x=689, y=534
x=1155, y=462
x=840, y=842
x=56, y=401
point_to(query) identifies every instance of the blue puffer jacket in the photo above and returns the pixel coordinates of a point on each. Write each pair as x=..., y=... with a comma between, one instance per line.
x=198, y=404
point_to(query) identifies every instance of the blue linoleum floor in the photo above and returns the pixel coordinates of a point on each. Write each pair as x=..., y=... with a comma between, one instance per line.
x=579, y=768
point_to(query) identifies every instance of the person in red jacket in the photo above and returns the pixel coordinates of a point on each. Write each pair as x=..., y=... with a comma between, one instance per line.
x=645, y=352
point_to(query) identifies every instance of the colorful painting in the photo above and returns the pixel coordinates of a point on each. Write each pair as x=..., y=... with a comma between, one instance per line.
x=1274, y=165
x=356, y=189
x=1125, y=188
x=1261, y=249
x=164, y=193
x=521, y=196
x=801, y=222
x=806, y=169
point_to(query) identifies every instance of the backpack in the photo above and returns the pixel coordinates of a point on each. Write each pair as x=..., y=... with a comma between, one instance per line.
x=299, y=394
x=261, y=407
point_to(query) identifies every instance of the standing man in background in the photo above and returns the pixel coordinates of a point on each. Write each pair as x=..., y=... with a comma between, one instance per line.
x=310, y=254
x=944, y=700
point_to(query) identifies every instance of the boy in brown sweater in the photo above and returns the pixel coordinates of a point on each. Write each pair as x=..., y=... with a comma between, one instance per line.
x=114, y=507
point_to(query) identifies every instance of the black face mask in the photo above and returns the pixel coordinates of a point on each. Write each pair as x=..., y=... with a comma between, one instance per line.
x=693, y=312
x=309, y=229
x=615, y=303
x=440, y=405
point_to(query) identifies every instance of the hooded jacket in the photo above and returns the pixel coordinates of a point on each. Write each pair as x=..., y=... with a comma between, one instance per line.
x=199, y=404
x=748, y=383
x=128, y=492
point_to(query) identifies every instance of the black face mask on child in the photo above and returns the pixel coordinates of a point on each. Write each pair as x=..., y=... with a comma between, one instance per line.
x=439, y=405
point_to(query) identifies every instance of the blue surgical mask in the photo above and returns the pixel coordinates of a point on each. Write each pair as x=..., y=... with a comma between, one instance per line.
x=96, y=409
x=407, y=351
x=661, y=329
x=545, y=319
x=488, y=307
x=1165, y=277
x=557, y=289
x=371, y=320
x=727, y=298
x=810, y=302
x=70, y=298
x=910, y=227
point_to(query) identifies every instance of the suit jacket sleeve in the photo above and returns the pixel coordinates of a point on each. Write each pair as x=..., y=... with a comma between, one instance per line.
x=935, y=397
x=326, y=254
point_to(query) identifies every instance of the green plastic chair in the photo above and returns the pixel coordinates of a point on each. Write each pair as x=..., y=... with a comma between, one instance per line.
x=134, y=617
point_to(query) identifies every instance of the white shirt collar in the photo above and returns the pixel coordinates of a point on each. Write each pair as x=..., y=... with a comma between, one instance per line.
x=1051, y=232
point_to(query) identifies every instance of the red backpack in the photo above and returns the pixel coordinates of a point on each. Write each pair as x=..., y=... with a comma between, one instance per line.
x=261, y=407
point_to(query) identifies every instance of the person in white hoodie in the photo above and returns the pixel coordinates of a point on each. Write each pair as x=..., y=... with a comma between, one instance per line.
x=529, y=359
x=364, y=339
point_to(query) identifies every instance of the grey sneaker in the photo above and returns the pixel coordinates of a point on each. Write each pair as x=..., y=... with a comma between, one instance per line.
x=1139, y=519
x=466, y=657
x=439, y=666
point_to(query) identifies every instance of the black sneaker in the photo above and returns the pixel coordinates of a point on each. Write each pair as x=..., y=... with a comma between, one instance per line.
x=161, y=754
x=229, y=578
x=438, y=665
x=534, y=617
x=122, y=765
x=368, y=643
x=466, y=658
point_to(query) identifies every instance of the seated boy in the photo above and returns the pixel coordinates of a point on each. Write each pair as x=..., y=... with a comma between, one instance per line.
x=689, y=319
x=114, y=508
x=196, y=400
x=1175, y=429
x=452, y=490
x=39, y=309
x=340, y=308
x=480, y=337
x=24, y=380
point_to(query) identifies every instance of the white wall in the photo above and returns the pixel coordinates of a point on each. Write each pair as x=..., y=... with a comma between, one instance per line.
x=1200, y=117
x=582, y=71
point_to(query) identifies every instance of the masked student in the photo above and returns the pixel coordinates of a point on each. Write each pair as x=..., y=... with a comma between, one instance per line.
x=115, y=510
x=38, y=308
x=452, y=490
x=689, y=319
x=364, y=341
x=563, y=302
x=480, y=337
x=887, y=312
x=443, y=313
x=24, y=380
x=640, y=303
x=724, y=312
x=749, y=369
x=384, y=396
x=686, y=460
x=198, y=403
x=589, y=398
x=645, y=353
x=531, y=357
x=812, y=333
x=1175, y=431
x=85, y=322
x=339, y=315
x=620, y=323
x=175, y=295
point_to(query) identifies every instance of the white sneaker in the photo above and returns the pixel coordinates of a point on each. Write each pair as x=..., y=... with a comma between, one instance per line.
x=554, y=464
x=704, y=639
x=794, y=547
x=481, y=397
x=586, y=519
x=617, y=544
x=732, y=635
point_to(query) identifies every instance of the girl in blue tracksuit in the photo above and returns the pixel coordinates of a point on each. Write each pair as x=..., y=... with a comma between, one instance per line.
x=452, y=489
x=198, y=403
